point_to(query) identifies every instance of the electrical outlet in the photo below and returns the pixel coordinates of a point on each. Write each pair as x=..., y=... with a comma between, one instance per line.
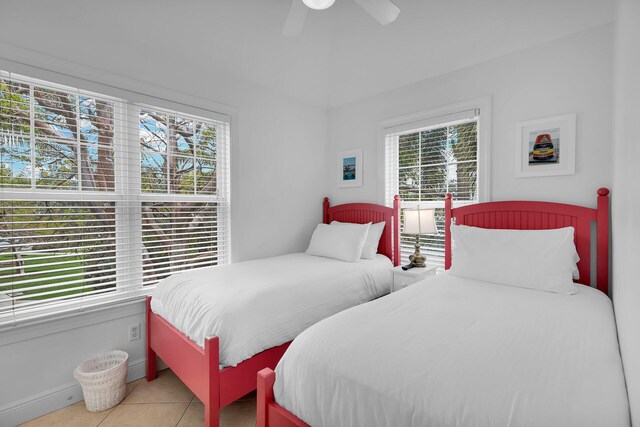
x=134, y=332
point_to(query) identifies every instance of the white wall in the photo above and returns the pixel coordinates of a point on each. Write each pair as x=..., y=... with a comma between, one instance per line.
x=279, y=171
x=278, y=153
x=36, y=373
x=573, y=74
x=626, y=197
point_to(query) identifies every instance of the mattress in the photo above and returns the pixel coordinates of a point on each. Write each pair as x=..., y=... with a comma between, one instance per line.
x=449, y=351
x=255, y=305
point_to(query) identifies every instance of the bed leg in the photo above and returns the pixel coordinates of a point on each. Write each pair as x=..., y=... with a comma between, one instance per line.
x=151, y=355
x=211, y=415
x=266, y=378
x=151, y=364
x=212, y=405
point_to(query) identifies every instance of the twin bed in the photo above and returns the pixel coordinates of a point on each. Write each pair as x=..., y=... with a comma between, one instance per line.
x=217, y=327
x=457, y=351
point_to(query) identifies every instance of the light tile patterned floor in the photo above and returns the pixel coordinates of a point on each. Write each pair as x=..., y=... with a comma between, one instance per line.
x=163, y=402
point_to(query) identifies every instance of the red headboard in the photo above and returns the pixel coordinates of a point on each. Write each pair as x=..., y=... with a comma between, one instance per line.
x=361, y=213
x=522, y=215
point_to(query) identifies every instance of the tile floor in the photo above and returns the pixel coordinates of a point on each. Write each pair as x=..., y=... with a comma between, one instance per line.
x=163, y=402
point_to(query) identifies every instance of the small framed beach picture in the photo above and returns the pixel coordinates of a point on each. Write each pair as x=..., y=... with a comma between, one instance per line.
x=546, y=147
x=350, y=167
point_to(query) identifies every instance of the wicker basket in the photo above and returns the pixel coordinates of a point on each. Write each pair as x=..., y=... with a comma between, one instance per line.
x=103, y=379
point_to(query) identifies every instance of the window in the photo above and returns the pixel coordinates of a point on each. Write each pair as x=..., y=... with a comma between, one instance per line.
x=426, y=159
x=100, y=198
x=183, y=170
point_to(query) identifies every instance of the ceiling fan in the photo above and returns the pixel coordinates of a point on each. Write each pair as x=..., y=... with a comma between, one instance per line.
x=384, y=11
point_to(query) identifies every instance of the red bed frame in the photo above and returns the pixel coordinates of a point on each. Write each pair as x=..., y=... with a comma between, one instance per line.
x=517, y=215
x=542, y=216
x=199, y=369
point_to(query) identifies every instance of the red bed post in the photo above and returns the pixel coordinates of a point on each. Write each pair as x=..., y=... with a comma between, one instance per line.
x=396, y=230
x=212, y=402
x=447, y=235
x=325, y=211
x=269, y=413
x=151, y=355
x=603, y=240
x=266, y=378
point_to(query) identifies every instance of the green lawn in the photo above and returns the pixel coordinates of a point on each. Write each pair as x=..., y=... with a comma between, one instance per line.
x=32, y=265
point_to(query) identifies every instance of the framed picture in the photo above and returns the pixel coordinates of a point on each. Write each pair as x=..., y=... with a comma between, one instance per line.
x=546, y=146
x=350, y=167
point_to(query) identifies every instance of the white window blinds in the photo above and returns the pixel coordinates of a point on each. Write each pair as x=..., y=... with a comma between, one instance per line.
x=184, y=192
x=424, y=161
x=100, y=197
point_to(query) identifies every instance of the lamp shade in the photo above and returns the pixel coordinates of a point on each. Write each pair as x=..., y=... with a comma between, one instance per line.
x=318, y=4
x=419, y=221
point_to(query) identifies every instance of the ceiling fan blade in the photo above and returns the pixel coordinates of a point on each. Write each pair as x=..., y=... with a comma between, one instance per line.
x=295, y=19
x=384, y=11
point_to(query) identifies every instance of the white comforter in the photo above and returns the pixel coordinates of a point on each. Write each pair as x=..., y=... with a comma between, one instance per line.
x=255, y=305
x=455, y=352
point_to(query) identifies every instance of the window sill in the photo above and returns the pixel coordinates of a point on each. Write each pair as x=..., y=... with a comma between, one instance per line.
x=69, y=321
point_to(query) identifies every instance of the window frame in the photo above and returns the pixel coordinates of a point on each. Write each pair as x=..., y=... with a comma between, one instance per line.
x=434, y=118
x=127, y=167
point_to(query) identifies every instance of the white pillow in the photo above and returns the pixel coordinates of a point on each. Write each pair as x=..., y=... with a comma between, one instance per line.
x=342, y=243
x=370, y=248
x=537, y=259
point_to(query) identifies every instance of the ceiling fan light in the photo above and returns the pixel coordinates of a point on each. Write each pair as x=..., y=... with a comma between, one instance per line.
x=318, y=4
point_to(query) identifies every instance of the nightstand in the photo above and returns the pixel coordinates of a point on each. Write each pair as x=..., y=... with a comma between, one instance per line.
x=402, y=278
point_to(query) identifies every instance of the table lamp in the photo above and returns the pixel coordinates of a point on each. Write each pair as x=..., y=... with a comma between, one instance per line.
x=418, y=222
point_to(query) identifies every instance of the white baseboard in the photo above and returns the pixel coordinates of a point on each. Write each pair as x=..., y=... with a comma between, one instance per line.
x=53, y=399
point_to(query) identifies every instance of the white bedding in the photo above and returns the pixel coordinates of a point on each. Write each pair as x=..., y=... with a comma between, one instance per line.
x=450, y=351
x=255, y=305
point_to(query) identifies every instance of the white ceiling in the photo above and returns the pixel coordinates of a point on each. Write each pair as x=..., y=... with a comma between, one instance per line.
x=342, y=55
